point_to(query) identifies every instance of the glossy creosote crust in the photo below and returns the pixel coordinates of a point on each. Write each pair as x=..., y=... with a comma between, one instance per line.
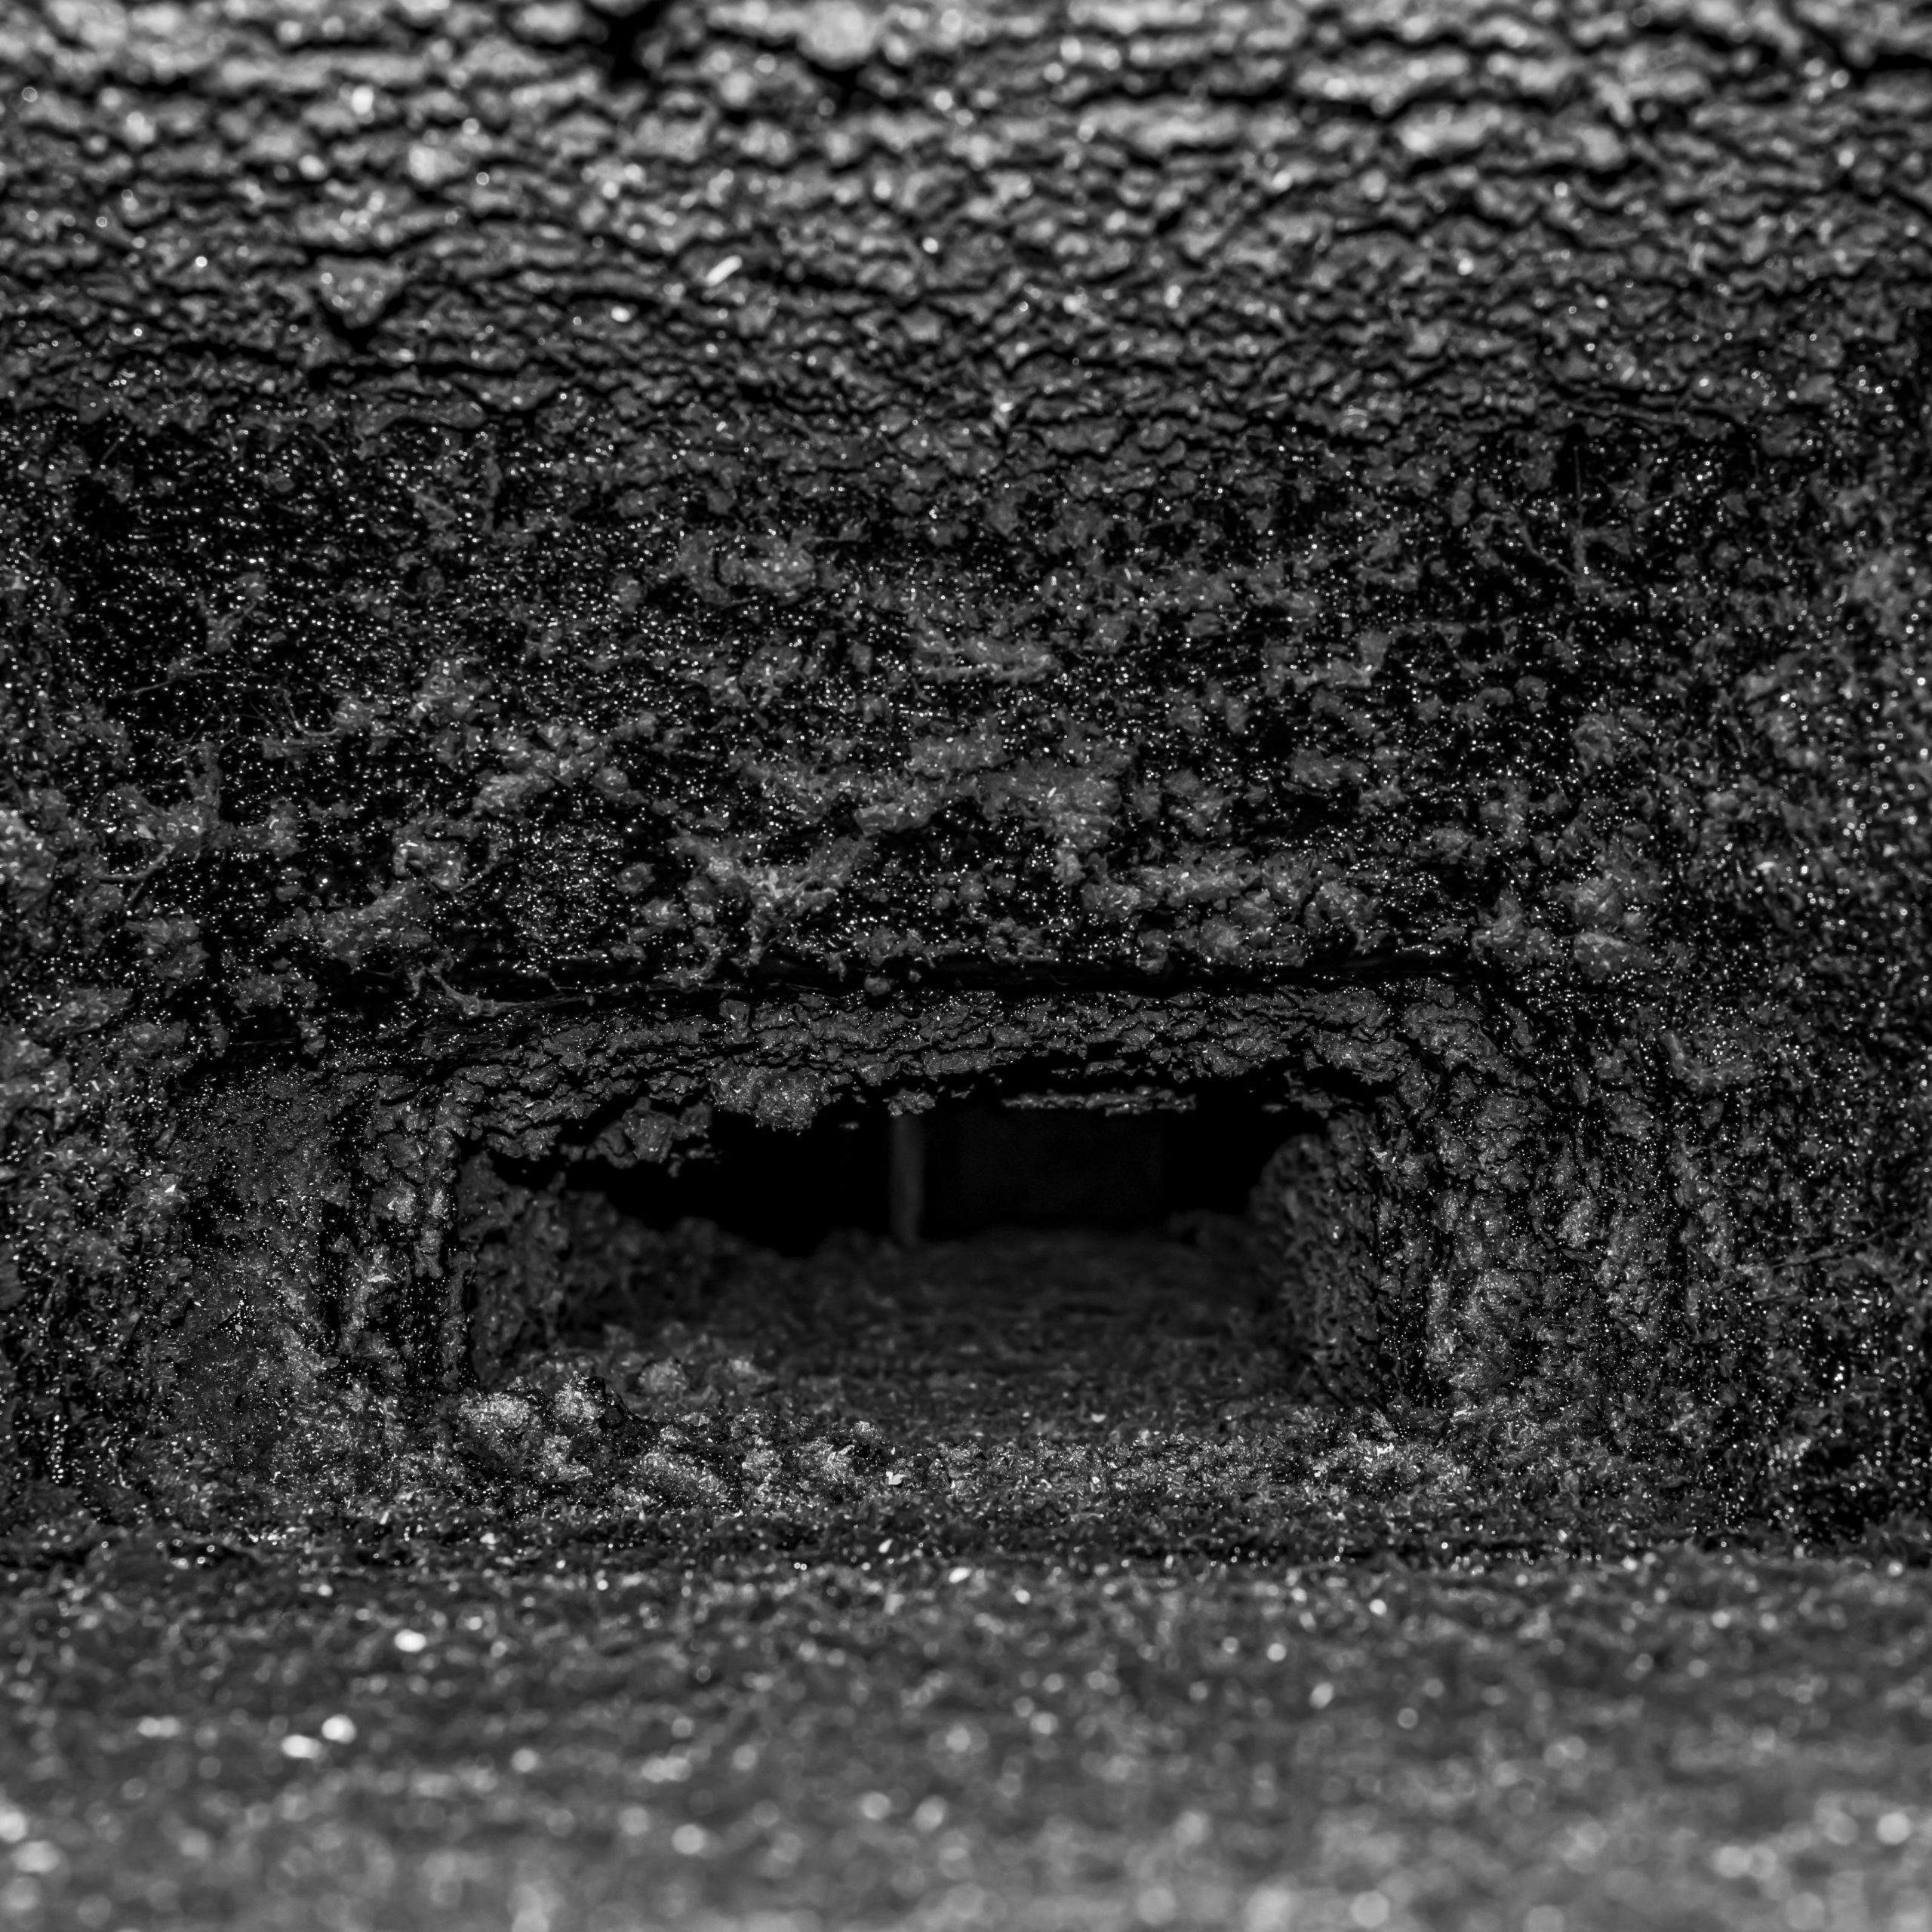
x=563, y=570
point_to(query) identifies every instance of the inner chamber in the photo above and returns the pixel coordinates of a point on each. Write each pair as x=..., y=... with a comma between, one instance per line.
x=957, y=1171
x=556, y=1252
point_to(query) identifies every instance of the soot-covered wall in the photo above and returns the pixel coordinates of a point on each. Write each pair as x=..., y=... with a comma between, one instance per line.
x=785, y=550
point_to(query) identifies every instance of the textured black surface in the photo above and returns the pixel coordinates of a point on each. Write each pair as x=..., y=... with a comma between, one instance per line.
x=908, y=1742
x=1006, y=1594
x=770, y=557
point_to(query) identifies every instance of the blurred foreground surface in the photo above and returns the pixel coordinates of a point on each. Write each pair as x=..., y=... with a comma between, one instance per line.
x=929, y=1703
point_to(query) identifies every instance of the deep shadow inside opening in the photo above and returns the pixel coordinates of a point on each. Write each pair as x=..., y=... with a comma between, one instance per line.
x=977, y=1167
x=578, y=1250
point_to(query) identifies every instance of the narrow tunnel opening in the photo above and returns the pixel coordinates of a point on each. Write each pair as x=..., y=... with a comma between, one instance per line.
x=959, y=1171
x=569, y=1246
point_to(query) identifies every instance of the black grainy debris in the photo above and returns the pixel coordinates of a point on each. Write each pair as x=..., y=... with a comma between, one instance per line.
x=965, y=965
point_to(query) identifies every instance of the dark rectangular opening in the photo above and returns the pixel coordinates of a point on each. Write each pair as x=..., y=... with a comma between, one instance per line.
x=977, y=1166
x=570, y=1247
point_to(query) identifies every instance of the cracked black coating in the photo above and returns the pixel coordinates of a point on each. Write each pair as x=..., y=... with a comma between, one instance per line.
x=565, y=568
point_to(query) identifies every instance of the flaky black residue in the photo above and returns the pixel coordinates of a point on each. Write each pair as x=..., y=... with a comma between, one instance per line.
x=562, y=577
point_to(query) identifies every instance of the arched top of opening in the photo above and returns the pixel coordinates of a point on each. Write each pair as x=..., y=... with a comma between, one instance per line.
x=1031, y=1160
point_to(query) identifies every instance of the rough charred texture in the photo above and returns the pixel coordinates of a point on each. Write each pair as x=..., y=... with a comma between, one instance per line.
x=567, y=568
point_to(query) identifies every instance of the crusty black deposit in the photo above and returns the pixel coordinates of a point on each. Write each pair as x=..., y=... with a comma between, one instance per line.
x=563, y=576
